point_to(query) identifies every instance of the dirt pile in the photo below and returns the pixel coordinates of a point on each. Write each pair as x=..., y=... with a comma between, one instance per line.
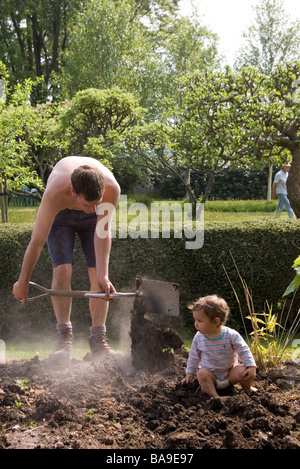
x=121, y=404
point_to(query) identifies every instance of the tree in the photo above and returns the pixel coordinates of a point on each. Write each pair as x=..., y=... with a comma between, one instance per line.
x=283, y=117
x=209, y=122
x=33, y=36
x=17, y=122
x=273, y=38
x=140, y=48
x=95, y=122
x=188, y=46
x=102, y=45
x=236, y=119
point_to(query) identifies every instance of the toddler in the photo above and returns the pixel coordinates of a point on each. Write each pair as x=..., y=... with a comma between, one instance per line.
x=215, y=350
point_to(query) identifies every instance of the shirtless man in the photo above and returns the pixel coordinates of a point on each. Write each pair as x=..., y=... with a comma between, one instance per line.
x=76, y=186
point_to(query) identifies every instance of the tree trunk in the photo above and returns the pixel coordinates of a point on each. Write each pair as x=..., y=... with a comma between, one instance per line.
x=293, y=182
x=37, y=44
x=269, y=194
x=188, y=182
x=208, y=187
x=4, y=201
x=189, y=191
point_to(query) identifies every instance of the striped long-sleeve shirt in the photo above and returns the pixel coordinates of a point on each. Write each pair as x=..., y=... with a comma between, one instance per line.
x=220, y=354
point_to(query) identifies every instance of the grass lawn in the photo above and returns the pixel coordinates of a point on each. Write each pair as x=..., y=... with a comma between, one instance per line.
x=214, y=211
x=18, y=349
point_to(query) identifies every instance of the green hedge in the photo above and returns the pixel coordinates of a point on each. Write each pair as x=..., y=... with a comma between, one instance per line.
x=263, y=251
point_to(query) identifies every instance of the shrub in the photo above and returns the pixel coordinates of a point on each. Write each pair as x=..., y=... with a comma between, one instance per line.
x=264, y=252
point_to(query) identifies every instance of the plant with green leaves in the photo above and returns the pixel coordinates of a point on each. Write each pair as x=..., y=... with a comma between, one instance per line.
x=22, y=382
x=17, y=129
x=18, y=404
x=296, y=280
x=90, y=414
x=97, y=114
x=139, y=46
x=211, y=125
x=270, y=335
x=272, y=39
x=265, y=346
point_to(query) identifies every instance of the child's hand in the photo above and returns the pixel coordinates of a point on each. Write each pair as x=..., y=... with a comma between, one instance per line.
x=250, y=373
x=188, y=379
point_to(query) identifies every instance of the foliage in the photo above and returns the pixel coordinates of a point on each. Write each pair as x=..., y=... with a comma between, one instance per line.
x=107, y=34
x=296, y=280
x=140, y=48
x=225, y=118
x=95, y=123
x=33, y=36
x=17, y=132
x=238, y=120
x=266, y=349
x=269, y=337
x=211, y=127
x=273, y=38
x=255, y=247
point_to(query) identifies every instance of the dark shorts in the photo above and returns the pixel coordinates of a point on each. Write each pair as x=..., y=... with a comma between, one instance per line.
x=61, y=239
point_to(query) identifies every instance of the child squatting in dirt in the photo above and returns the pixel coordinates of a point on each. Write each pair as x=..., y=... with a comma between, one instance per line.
x=215, y=350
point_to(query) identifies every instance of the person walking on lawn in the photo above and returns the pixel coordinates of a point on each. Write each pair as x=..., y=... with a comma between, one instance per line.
x=279, y=190
x=78, y=190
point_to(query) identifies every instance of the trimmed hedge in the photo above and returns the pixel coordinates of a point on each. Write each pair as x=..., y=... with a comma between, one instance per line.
x=263, y=251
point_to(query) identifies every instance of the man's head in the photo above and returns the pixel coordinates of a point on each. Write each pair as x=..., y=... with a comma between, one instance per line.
x=286, y=167
x=88, y=182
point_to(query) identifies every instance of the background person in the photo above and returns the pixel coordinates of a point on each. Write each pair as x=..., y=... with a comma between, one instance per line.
x=75, y=188
x=279, y=190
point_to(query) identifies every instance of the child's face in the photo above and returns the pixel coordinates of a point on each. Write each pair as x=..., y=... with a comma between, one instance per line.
x=203, y=323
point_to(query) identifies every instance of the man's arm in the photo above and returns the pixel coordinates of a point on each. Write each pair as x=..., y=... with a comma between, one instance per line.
x=44, y=220
x=274, y=190
x=102, y=239
x=102, y=250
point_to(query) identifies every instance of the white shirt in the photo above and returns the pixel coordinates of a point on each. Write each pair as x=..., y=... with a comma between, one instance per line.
x=280, y=181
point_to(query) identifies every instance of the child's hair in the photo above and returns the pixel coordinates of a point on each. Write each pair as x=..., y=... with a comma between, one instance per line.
x=213, y=306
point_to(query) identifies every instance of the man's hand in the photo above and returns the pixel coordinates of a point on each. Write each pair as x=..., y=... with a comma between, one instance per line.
x=20, y=291
x=106, y=286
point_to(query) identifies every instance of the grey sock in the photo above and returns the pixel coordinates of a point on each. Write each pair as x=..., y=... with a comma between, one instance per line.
x=64, y=328
x=99, y=331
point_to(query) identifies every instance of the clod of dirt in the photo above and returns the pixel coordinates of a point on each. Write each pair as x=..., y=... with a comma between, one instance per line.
x=152, y=347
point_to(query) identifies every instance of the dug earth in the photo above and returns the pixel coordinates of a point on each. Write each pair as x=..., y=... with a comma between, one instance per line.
x=137, y=402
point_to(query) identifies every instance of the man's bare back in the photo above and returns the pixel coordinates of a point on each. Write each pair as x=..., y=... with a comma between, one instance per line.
x=58, y=187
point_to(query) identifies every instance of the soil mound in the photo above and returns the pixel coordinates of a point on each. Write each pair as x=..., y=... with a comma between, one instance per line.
x=137, y=402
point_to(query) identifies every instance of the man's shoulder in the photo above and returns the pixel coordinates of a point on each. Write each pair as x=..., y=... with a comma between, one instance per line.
x=279, y=174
